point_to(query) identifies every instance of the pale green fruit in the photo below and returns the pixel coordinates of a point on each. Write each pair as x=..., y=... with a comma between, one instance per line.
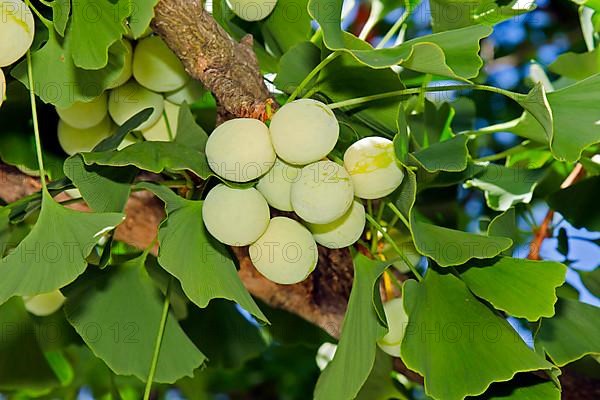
x=159, y=132
x=45, y=304
x=127, y=100
x=127, y=71
x=252, y=10
x=16, y=31
x=276, y=185
x=325, y=354
x=397, y=320
x=323, y=193
x=304, y=131
x=372, y=165
x=240, y=150
x=73, y=140
x=190, y=93
x=286, y=253
x=156, y=67
x=342, y=232
x=405, y=244
x=127, y=141
x=2, y=87
x=236, y=217
x=82, y=115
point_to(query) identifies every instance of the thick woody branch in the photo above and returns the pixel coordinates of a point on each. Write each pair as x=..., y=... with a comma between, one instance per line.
x=227, y=68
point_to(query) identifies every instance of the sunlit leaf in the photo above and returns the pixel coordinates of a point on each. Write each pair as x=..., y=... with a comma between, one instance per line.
x=53, y=254
x=452, y=54
x=95, y=27
x=577, y=66
x=506, y=187
x=453, y=14
x=355, y=355
x=118, y=311
x=522, y=288
x=141, y=15
x=450, y=334
x=450, y=155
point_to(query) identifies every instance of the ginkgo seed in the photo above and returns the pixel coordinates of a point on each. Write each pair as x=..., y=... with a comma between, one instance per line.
x=82, y=115
x=156, y=67
x=342, y=232
x=190, y=93
x=74, y=140
x=17, y=29
x=304, y=131
x=252, y=10
x=2, y=87
x=276, y=185
x=286, y=253
x=397, y=320
x=372, y=165
x=44, y=304
x=127, y=100
x=323, y=193
x=236, y=217
x=160, y=131
x=240, y=150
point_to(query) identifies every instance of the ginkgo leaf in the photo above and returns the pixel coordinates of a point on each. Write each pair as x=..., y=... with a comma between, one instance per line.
x=505, y=187
x=95, y=26
x=522, y=288
x=207, y=271
x=118, y=311
x=59, y=82
x=451, y=14
x=571, y=334
x=142, y=14
x=449, y=155
x=452, y=54
x=22, y=365
x=53, y=254
x=583, y=194
x=450, y=247
x=450, y=334
x=154, y=157
x=362, y=327
x=61, y=10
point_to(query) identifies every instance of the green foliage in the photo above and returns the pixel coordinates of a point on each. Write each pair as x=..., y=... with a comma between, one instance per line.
x=362, y=327
x=450, y=334
x=54, y=253
x=117, y=312
x=214, y=337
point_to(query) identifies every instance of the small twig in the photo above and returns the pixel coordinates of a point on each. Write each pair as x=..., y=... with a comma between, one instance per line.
x=543, y=231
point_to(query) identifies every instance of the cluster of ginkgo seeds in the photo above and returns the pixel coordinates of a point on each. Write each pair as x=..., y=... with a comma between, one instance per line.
x=288, y=158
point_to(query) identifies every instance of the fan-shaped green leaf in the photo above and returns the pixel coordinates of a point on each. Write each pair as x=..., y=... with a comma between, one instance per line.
x=95, y=26
x=571, y=334
x=522, y=288
x=452, y=54
x=450, y=155
x=54, y=252
x=505, y=187
x=362, y=327
x=154, y=157
x=458, y=344
x=450, y=247
x=207, y=271
x=142, y=14
x=58, y=81
x=117, y=312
